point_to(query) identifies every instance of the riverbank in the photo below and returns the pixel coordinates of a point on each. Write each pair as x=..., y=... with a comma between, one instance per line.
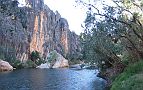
x=130, y=79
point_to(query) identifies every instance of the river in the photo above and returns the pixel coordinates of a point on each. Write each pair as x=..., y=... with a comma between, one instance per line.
x=51, y=79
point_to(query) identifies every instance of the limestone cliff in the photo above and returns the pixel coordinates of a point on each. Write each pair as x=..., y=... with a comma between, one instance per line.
x=45, y=31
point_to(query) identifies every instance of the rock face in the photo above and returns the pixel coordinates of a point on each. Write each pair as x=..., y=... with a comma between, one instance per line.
x=45, y=31
x=5, y=66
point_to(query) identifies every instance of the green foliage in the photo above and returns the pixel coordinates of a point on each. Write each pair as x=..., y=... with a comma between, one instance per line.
x=35, y=55
x=126, y=58
x=39, y=62
x=29, y=64
x=112, y=30
x=129, y=77
x=74, y=58
x=134, y=82
x=17, y=64
x=99, y=42
x=52, y=56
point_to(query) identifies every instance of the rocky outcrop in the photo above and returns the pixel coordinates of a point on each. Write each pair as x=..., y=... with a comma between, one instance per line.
x=55, y=60
x=5, y=66
x=45, y=31
x=59, y=62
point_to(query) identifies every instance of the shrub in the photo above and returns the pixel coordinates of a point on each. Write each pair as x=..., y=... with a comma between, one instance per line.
x=29, y=64
x=17, y=64
x=39, y=62
x=126, y=59
x=74, y=58
x=52, y=56
x=35, y=55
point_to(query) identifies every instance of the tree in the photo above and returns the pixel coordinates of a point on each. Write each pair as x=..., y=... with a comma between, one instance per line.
x=111, y=31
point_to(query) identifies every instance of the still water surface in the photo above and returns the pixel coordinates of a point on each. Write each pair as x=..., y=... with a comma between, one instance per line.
x=51, y=79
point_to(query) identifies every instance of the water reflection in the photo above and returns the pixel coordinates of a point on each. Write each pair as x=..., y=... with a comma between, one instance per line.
x=51, y=79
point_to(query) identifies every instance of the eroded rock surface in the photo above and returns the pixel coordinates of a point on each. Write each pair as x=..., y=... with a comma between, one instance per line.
x=45, y=31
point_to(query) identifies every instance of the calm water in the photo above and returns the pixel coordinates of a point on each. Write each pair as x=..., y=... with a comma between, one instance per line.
x=50, y=79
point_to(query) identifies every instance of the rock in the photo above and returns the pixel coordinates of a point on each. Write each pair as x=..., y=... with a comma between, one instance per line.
x=45, y=65
x=76, y=66
x=5, y=66
x=46, y=31
x=58, y=61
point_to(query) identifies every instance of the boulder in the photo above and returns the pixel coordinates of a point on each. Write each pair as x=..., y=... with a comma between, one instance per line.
x=45, y=65
x=55, y=60
x=58, y=61
x=5, y=66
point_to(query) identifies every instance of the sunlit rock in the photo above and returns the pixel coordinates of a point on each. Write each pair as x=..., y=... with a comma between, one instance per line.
x=5, y=66
x=45, y=65
x=60, y=62
x=57, y=60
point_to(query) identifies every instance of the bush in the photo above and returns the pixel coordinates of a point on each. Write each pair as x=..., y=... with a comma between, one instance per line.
x=126, y=59
x=29, y=64
x=17, y=64
x=74, y=58
x=52, y=56
x=130, y=72
x=40, y=61
x=35, y=55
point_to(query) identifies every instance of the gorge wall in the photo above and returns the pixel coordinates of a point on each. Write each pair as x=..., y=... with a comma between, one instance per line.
x=45, y=31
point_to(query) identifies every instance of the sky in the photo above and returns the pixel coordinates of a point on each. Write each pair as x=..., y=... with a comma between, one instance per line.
x=68, y=9
x=74, y=15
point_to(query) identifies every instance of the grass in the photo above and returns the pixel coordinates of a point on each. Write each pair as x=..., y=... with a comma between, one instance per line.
x=130, y=79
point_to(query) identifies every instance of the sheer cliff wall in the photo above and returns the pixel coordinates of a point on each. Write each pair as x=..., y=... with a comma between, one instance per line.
x=45, y=31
